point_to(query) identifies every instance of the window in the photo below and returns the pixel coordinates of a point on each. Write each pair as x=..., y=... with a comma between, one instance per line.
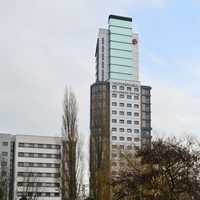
x=5, y=143
x=122, y=164
x=114, y=129
x=129, y=97
x=114, y=155
x=114, y=164
x=20, y=164
x=121, y=96
x=114, y=87
x=128, y=88
x=129, y=105
x=31, y=145
x=114, y=103
x=136, y=89
x=121, y=104
x=21, y=144
x=121, y=87
x=21, y=154
x=129, y=113
x=4, y=153
x=121, y=112
x=136, y=97
x=129, y=122
x=121, y=121
x=114, y=121
x=129, y=139
x=129, y=130
x=4, y=164
x=136, y=131
x=114, y=146
x=136, y=139
x=121, y=138
x=136, y=114
x=114, y=112
x=114, y=95
x=40, y=146
x=136, y=148
x=136, y=106
x=136, y=122
x=114, y=137
x=129, y=147
x=121, y=146
x=121, y=129
x=57, y=194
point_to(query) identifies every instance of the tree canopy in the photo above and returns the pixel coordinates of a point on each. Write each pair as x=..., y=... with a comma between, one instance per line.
x=169, y=170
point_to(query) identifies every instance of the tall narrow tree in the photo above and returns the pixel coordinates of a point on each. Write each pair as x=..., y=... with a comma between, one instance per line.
x=71, y=162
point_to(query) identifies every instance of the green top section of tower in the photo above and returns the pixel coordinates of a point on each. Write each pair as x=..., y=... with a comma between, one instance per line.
x=123, y=49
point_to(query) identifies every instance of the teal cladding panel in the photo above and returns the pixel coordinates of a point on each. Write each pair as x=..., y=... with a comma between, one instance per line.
x=121, y=69
x=120, y=38
x=119, y=30
x=121, y=76
x=122, y=54
x=121, y=23
x=121, y=61
x=122, y=46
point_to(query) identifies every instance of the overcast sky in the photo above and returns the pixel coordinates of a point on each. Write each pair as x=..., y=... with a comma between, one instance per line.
x=48, y=44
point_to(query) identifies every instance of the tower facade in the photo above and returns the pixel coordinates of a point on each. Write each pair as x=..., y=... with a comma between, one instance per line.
x=120, y=118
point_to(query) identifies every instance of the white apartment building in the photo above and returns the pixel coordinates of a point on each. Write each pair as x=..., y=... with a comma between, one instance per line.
x=33, y=166
x=37, y=167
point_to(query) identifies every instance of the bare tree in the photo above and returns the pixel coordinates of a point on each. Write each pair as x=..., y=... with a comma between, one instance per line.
x=72, y=162
x=169, y=170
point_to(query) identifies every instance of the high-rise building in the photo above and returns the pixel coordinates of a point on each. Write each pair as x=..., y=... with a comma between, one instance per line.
x=120, y=105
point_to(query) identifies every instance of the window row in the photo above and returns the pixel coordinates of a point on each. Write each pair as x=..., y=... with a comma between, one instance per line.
x=136, y=114
x=121, y=164
x=121, y=138
x=122, y=147
x=4, y=163
x=4, y=144
x=121, y=87
x=122, y=96
x=39, y=194
x=38, y=174
x=38, y=155
x=4, y=153
x=128, y=105
x=122, y=121
x=37, y=184
x=129, y=130
x=43, y=165
x=40, y=146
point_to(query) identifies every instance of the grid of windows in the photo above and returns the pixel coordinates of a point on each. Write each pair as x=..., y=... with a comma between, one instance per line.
x=38, y=184
x=42, y=165
x=128, y=88
x=39, y=146
x=38, y=155
x=40, y=194
x=38, y=174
